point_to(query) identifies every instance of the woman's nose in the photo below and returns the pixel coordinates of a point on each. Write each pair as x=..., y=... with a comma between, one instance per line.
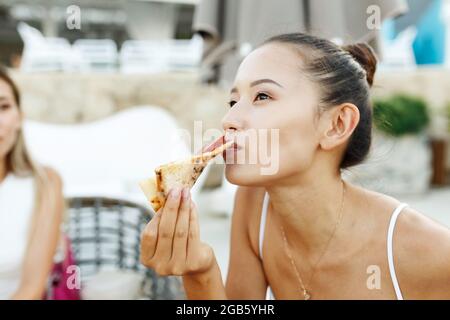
x=233, y=121
x=230, y=124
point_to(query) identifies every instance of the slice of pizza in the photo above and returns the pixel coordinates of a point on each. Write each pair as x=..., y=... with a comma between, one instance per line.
x=180, y=174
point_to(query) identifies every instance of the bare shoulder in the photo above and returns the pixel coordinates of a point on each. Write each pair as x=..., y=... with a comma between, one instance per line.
x=421, y=247
x=53, y=177
x=422, y=256
x=245, y=279
x=247, y=199
x=247, y=211
x=52, y=185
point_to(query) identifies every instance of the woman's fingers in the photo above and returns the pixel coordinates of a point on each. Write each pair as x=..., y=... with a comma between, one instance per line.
x=167, y=225
x=199, y=255
x=180, y=239
x=194, y=229
x=171, y=241
x=150, y=239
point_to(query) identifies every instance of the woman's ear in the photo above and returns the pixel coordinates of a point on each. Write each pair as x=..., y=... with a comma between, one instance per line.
x=339, y=125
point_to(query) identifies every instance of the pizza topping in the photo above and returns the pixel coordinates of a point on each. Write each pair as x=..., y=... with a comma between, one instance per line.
x=180, y=173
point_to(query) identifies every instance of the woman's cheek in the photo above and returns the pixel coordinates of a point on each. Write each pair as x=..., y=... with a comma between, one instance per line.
x=297, y=148
x=9, y=142
x=13, y=126
x=6, y=145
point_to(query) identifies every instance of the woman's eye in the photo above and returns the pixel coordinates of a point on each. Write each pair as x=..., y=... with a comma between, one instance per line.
x=262, y=96
x=4, y=107
x=231, y=103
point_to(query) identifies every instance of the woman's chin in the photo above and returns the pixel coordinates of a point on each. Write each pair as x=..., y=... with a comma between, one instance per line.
x=243, y=175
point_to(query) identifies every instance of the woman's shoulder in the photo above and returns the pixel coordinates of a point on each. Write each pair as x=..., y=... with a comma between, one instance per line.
x=421, y=249
x=422, y=254
x=50, y=182
x=247, y=211
x=51, y=173
x=248, y=195
x=249, y=200
x=52, y=176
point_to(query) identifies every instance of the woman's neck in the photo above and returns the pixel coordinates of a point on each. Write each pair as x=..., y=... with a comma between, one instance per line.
x=2, y=169
x=308, y=209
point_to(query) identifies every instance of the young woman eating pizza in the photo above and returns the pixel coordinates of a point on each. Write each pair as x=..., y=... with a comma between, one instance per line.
x=303, y=232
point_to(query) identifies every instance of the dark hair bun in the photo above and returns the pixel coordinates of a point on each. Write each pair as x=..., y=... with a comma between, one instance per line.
x=365, y=56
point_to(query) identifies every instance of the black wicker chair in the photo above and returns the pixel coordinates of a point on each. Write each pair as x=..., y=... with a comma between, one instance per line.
x=105, y=233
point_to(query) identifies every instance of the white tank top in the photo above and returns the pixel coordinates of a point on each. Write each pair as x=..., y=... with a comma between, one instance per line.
x=390, y=254
x=16, y=209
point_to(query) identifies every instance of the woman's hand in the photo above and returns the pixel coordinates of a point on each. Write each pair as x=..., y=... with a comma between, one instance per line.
x=171, y=241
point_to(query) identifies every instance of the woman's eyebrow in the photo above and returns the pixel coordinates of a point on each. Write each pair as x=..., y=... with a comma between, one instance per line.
x=256, y=82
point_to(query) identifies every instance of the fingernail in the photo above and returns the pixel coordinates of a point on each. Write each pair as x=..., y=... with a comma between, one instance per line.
x=186, y=193
x=175, y=192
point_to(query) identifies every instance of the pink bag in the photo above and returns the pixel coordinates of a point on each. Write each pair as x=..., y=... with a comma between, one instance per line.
x=63, y=282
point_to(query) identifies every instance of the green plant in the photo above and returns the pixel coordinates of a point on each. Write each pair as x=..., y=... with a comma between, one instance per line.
x=400, y=114
x=447, y=112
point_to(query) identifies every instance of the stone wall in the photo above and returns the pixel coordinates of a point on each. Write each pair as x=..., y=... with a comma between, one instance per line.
x=431, y=83
x=71, y=98
x=77, y=98
x=74, y=98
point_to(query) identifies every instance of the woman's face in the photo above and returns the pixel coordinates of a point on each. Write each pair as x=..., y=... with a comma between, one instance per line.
x=269, y=96
x=10, y=119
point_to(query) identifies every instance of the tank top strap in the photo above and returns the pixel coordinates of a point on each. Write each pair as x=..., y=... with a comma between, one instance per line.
x=390, y=252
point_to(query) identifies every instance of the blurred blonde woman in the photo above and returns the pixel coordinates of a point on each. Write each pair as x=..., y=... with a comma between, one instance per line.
x=31, y=206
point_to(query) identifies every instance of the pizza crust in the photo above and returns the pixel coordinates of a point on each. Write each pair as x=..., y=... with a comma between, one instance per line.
x=177, y=174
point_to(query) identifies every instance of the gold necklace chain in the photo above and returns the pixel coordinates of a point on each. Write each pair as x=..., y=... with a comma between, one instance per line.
x=305, y=292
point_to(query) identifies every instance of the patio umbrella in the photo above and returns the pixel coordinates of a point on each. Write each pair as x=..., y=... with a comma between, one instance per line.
x=231, y=28
x=426, y=17
x=416, y=10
